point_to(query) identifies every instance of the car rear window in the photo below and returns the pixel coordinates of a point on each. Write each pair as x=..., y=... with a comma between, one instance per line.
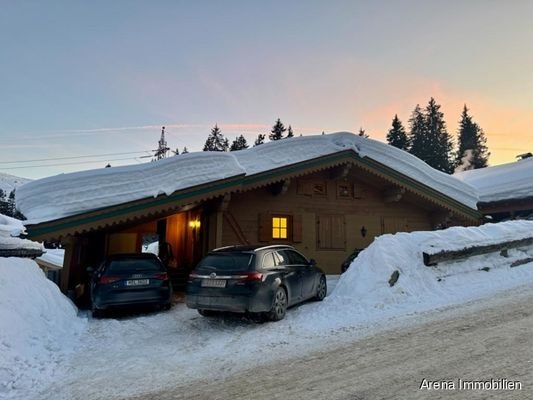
x=131, y=265
x=227, y=262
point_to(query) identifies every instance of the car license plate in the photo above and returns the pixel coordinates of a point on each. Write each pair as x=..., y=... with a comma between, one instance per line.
x=137, y=282
x=216, y=283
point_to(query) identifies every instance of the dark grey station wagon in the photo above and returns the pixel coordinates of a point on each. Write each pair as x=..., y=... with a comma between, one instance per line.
x=254, y=279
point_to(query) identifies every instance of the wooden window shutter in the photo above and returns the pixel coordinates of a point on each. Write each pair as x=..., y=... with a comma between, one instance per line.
x=297, y=228
x=264, y=233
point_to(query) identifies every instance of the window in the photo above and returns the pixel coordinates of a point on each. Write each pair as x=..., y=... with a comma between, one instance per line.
x=279, y=227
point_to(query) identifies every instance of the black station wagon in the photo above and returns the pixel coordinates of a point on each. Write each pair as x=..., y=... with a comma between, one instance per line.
x=254, y=279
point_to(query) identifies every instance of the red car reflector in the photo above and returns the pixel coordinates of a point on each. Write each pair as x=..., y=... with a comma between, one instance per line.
x=163, y=276
x=106, y=280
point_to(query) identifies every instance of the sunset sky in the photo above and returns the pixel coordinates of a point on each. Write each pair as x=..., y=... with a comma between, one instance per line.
x=101, y=77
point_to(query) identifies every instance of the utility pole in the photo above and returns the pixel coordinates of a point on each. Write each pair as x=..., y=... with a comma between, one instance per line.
x=162, y=149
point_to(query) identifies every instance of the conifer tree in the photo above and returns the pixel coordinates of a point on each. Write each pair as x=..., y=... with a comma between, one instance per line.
x=290, y=133
x=260, y=139
x=418, y=138
x=362, y=133
x=277, y=131
x=10, y=211
x=472, y=152
x=397, y=136
x=3, y=203
x=441, y=144
x=216, y=141
x=239, y=144
x=185, y=151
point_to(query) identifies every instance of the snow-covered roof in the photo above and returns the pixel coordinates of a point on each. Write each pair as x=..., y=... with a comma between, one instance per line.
x=10, y=243
x=70, y=194
x=53, y=257
x=501, y=182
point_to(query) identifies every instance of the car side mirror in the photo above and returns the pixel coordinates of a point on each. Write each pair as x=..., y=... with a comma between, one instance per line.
x=312, y=262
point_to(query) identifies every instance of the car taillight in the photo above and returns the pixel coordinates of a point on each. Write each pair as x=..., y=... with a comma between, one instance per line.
x=162, y=276
x=251, y=277
x=106, y=280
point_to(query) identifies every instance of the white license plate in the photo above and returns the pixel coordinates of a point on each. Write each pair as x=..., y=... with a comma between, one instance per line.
x=137, y=282
x=218, y=283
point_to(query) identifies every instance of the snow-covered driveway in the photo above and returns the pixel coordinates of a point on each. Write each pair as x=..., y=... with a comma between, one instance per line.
x=136, y=355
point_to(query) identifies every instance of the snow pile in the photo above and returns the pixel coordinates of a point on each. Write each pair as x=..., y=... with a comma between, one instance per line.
x=365, y=286
x=38, y=329
x=501, y=182
x=69, y=194
x=10, y=229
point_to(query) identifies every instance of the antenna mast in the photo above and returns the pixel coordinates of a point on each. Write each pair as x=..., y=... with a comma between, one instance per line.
x=162, y=149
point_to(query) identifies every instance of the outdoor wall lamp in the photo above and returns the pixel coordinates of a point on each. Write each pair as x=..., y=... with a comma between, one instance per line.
x=363, y=231
x=194, y=224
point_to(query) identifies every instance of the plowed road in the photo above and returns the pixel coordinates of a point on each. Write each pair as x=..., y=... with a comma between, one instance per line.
x=475, y=342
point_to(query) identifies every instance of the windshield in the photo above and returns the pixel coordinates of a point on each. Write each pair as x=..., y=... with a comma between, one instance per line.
x=133, y=265
x=227, y=262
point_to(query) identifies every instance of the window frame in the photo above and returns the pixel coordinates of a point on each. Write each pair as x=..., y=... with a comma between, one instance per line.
x=280, y=228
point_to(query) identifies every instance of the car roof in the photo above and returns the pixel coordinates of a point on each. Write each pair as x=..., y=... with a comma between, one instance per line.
x=249, y=248
x=129, y=256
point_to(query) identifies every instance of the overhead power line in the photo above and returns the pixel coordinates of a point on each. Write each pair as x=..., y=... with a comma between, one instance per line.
x=73, y=157
x=72, y=163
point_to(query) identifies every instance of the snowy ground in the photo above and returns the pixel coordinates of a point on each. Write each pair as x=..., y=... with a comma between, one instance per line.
x=118, y=357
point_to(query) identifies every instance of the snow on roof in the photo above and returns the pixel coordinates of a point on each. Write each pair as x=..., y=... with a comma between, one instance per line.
x=53, y=257
x=69, y=194
x=10, y=230
x=501, y=182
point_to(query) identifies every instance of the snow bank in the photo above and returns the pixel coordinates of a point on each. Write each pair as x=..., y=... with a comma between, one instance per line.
x=68, y=194
x=10, y=229
x=365, y=286
x=38, y=329
x=501, y=182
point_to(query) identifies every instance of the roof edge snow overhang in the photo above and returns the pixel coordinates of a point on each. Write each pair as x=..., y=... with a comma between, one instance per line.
x=161, y=205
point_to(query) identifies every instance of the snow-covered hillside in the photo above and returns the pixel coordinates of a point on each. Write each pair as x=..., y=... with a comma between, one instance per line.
x=10, y=182
x=48, y=352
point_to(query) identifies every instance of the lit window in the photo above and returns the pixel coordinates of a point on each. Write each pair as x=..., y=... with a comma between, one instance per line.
x=279, y=228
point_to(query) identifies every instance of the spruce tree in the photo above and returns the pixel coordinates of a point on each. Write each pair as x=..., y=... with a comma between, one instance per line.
x=472, y=152
x=418, y=138
x=277, y=131
x=185, y=151
x=397, y=136
x=216, y=141
x=260, y=139
x=11, y=204
x=3, y=203
x=441, y=145
x=362, y=133
x=239, y=144
x=290, y=133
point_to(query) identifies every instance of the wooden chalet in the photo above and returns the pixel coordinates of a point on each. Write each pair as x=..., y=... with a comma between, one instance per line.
x=325, y=206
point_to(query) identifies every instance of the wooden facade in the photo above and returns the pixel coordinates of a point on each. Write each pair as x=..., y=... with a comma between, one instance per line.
x=325, y=207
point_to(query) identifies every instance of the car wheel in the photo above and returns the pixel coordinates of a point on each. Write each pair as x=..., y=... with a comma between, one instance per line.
x=279, y=306
x=206, y=313
x=322, y=289
x=96, y=312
